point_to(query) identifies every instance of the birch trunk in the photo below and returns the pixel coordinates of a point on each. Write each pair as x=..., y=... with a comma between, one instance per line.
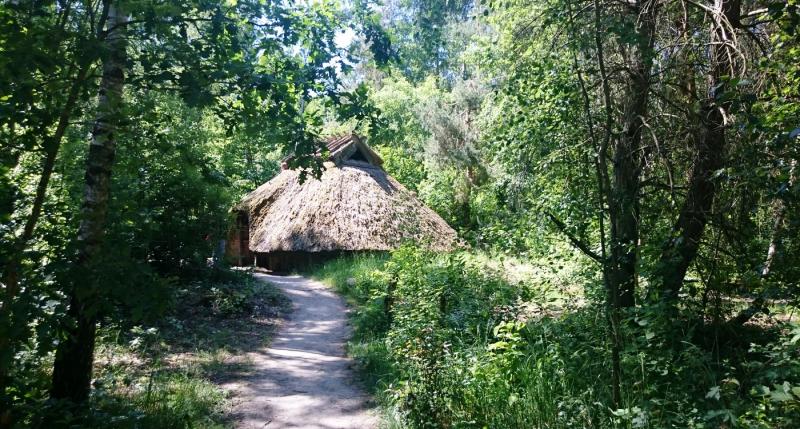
x=72, y=369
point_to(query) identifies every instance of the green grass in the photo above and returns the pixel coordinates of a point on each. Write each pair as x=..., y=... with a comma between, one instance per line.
x=446, y=359
x=361, y=279
x=359, y=267
x=166, y=375
x=174, y=399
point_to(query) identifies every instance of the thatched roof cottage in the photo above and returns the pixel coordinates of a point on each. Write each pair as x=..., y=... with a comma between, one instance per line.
x=354, y=206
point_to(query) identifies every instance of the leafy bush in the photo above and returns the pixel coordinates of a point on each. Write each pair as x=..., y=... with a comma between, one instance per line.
x=446, y=342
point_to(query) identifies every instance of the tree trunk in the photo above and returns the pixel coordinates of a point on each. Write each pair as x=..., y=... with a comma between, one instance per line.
x=72, y=369
x=779, y=225
x=682, y=249
x=709, y=148
x=627, y=161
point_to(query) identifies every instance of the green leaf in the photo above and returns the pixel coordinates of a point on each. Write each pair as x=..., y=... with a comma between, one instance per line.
x=713, y=393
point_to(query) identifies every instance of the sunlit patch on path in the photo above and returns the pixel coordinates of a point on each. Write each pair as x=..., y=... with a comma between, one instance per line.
x=303, y=379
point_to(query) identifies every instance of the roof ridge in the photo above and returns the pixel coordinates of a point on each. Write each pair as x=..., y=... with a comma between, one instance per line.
x=339, y=144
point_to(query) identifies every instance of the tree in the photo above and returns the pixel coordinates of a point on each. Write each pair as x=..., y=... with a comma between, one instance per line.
x=46, y=84
x=235, y=59
x=72, y=369
x=646, y=79
x=452, y=121
x=709, y=148
x=420, y=33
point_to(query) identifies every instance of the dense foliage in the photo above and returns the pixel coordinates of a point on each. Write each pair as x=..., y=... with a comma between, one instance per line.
x=186, y=106
x=448, y=341
x=658, y=141
x=638, y=159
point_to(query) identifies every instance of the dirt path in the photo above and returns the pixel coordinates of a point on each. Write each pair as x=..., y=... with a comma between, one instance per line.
x=303, y=379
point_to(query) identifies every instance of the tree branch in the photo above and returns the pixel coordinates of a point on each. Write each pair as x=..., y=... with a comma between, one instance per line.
x=583, y=247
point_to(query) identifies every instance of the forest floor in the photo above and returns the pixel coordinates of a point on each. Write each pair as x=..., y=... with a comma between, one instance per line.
x=303, y=379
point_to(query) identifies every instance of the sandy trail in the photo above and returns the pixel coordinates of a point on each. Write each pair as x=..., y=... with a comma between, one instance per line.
x=303, y=379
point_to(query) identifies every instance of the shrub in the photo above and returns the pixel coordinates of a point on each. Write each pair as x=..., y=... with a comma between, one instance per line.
x=441, y=339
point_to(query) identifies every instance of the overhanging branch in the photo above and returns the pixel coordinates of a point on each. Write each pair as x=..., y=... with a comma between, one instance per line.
x=582, y=246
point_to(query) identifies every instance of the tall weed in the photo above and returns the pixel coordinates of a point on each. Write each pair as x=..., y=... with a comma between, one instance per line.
x=445, y=342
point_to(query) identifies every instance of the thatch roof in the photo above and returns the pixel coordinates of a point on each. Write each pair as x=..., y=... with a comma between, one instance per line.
x=346, y=147
x=355, y=205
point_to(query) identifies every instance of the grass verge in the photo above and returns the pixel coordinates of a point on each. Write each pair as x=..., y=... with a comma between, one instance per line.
x=449, y=341
x=167, y=374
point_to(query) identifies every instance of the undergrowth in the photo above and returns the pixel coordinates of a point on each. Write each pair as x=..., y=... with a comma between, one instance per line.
x=445, y=342
x=165, y=374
